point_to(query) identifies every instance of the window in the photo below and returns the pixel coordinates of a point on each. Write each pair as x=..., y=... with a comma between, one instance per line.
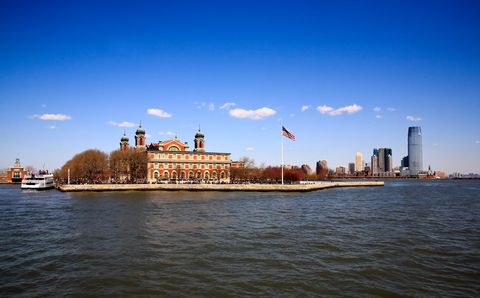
x=155, y=175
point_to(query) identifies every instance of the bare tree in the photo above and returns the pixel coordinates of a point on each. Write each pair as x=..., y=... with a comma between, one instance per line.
x=247, y=167
x=88, y=164
x=138, y=163
x=118, y=163
x=30, y=169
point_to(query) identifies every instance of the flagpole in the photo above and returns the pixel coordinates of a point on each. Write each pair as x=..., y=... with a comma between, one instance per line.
x=281, y=135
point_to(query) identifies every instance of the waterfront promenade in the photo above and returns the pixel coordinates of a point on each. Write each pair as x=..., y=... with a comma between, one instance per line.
x=218, y=187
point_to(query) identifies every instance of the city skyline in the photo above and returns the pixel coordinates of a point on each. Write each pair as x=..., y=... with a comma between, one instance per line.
x=342, y=80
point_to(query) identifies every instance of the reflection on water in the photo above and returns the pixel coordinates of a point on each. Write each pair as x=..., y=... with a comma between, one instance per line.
x=409, y=238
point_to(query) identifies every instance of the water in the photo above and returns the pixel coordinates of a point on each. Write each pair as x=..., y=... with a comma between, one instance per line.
x=406, y=239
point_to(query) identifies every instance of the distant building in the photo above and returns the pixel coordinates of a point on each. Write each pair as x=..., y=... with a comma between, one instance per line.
x=321, y=166
x=340, y=170
x=351, y=168
x=415, y=152
x=15, y=174
x=307, y=170
x=358, y=162
x=383, y=160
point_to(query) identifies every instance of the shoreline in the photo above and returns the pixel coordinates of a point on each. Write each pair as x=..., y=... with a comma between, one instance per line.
x=217, y=187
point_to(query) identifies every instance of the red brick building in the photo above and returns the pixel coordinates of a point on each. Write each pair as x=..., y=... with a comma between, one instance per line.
x=15, y=174
x=172, y=160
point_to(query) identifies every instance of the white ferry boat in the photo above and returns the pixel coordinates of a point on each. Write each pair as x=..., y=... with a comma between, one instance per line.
x=39, y=181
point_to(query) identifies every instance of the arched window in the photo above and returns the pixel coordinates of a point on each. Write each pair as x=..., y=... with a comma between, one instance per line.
x=190, y=175
x=222, y=175
x=155, y=175
x=214, y=175
x=182, y=175
x=207, y=175
x=199, y=175
x=165, y=174
x=174, y=175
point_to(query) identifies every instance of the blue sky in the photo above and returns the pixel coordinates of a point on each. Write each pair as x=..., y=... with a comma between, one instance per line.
x=342, y=76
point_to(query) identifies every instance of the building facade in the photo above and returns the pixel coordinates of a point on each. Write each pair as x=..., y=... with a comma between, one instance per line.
x=415, y=152
x=383, y=160
x=15, y=174
x=306, y=169
x=172, y=160
x=321, y=166
x=358, y=162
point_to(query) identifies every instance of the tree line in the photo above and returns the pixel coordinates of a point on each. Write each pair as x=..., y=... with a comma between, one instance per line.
x=95, y=165
x=248, y=171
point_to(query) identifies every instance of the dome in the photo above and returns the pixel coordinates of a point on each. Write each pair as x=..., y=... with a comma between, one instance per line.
x=124, y=138
x=199, y=134
x=140, y=130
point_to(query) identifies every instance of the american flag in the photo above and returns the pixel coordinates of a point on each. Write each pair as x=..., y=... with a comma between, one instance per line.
x=286, y=133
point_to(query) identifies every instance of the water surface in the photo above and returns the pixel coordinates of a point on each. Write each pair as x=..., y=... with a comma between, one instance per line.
x=406, y=239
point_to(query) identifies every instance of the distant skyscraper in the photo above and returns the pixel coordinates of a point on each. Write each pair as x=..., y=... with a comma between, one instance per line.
x=358, y=162
x=415, y=155
x=383, y=160
x=351, y=168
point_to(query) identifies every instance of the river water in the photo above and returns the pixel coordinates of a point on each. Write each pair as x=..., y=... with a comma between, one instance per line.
x=406, y=239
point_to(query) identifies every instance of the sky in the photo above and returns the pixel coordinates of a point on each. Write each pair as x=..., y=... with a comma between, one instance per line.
x=342, y=76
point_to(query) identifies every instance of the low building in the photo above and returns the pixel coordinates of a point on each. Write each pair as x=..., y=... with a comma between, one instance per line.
x=15, y=174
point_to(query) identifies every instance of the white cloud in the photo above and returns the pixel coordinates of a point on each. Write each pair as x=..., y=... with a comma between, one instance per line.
x=147, y=135
x=227, y=105
x=211, y=107
x=377, y=109
x=435, y=144
x=112, y=123
x=126, y=124
x=305, y=107
x=256, y=115
x=291, y=115
x=378, y=116
x=391, y=109
x=279, y=119
x=44, y=105
x=477, y=142
x=324, y=109
x=411, y=118
x=170, y=133
x=263, y=127
x=249, y=148
x=51, y=127
x=51, y=117
x=349, y=109
x=201, y=105
x=159, y=113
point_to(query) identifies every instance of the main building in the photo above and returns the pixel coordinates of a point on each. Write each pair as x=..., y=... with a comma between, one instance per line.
x=172, y=160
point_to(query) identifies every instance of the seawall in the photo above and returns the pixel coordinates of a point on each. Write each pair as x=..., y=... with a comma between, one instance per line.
x=218, y=187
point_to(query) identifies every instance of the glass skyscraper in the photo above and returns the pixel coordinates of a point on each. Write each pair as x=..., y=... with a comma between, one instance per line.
x=415, y=155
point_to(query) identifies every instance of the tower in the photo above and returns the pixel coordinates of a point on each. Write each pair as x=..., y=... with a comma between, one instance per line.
x=124, y=142
x=415, y=155
x=140, y=138
x=358, y=162
x=199, y=141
